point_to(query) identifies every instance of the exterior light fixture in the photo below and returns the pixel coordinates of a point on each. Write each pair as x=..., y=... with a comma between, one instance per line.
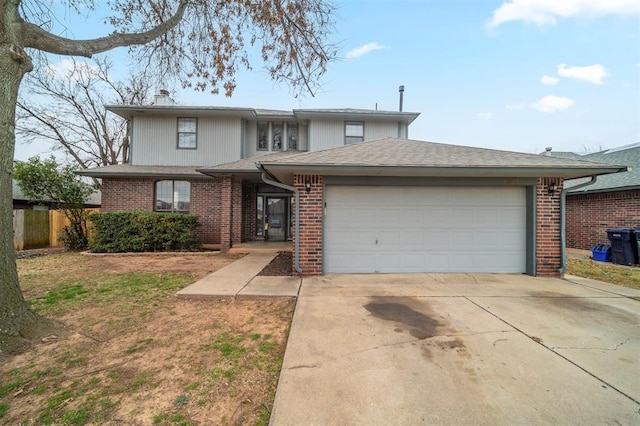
x=552, y=188
x=307, y=186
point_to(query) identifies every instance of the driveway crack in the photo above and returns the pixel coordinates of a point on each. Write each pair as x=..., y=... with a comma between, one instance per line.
x=539, y=341
x=595, y=348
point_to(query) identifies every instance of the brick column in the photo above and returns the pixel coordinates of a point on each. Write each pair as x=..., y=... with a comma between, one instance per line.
x=236, y=212
x=548, y=250
x=226, y=211
x=311, y=217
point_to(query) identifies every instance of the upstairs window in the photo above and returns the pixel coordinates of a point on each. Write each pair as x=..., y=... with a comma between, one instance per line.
x=187, y=133
x=292, y=136
x=353, y=132
x=263, y=136
x=277, y=137
x=173, y=196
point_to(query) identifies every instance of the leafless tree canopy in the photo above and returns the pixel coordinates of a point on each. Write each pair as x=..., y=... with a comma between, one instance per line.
x=203, y=43
x=66, y=107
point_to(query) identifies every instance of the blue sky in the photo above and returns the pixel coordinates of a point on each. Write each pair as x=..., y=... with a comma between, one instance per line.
x=516, y=75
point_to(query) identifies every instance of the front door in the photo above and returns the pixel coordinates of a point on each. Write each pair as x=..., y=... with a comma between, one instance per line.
x=276, y=218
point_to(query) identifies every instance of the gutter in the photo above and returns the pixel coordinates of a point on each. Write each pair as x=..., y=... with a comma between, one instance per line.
x=563, y=219
x=296, y=241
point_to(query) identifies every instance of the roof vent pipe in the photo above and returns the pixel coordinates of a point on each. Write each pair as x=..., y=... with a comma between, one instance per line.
x=401, y=90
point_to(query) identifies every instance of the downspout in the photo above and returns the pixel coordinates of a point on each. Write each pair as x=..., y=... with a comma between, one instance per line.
x=563, y=219
x=296, y=241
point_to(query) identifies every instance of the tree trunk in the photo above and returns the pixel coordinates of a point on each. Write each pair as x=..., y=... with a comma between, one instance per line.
x=17, y=321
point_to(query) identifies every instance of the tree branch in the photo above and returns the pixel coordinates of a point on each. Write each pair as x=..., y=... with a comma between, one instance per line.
x=38, y=38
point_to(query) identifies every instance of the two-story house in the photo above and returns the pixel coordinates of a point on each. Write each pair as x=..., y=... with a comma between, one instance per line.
x=348, y=186
x=170, y=143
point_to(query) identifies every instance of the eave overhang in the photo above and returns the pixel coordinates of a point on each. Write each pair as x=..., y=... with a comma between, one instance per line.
x=142, y=173
x=285, y=172
x=405, y=117
x=130, y=111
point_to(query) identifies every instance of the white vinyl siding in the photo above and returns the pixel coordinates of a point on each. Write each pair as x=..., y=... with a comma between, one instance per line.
x=325, y=134
x=154, y=142
x=424, y=229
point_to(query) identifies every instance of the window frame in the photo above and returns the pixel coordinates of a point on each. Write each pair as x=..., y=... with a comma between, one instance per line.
x=265, y=147
x=174, y=202
x=293, y=125
x=194, y=133
x=277, y=131
x=348, y=138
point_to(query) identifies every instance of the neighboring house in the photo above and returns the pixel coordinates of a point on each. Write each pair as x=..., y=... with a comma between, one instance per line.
x=22, y=202
x=370, y=199
x=613, y=201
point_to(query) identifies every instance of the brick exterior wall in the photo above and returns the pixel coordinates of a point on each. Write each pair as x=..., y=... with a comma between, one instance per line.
x=206, y=204
x=249, y=206
x=548, y=244
x=589, y=216
x=310, y=223
x=138, y=194
x=127, y=194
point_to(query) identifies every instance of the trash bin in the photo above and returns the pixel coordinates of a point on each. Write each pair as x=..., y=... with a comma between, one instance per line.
x=601, y=252
x=624, y=248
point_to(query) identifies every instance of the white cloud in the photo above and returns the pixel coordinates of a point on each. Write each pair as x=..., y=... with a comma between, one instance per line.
x=543, y=12
x=364, y=49
x=590, y=73
x=515, y=107
x=546, y=79
x=485, y=115
x=552, y=103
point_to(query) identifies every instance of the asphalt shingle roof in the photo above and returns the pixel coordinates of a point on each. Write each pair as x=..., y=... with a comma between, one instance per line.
x=246, y=165
x=628, y=155
x=401, y=152
x=128, y=170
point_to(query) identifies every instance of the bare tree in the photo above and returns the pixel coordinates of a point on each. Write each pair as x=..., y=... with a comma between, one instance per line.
x=202, y=43
x=66, y=108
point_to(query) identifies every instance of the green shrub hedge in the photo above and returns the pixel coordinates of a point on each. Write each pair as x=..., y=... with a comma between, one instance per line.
x=133, y=231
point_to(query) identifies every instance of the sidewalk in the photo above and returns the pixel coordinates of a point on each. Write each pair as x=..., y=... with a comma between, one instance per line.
x=239, y=279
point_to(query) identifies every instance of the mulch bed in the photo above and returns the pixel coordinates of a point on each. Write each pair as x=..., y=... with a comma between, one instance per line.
x=281, y=265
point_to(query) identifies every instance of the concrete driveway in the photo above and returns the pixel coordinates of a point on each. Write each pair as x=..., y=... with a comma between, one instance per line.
x=460, y=349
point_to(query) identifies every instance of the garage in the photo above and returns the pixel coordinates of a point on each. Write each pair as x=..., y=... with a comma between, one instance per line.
x=425, y=229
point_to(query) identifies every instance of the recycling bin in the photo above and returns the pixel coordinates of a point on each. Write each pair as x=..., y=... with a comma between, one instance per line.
x=601, y=252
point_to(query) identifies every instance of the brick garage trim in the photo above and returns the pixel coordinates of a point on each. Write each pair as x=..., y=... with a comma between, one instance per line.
x=547, y=226
x=548, y=242
x=311, y=218
x=589, y=216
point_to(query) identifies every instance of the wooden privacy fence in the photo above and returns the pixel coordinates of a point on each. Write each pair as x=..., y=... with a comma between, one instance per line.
x=37, y=228
x=30, y=229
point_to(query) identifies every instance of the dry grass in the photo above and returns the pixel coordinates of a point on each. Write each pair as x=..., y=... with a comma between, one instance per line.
x=613, y=274
x=138, y=355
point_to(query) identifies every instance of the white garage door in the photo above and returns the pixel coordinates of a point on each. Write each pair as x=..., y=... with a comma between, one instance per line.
x=424, y=229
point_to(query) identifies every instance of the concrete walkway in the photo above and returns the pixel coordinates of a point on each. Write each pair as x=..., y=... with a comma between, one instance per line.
x=239, y=279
